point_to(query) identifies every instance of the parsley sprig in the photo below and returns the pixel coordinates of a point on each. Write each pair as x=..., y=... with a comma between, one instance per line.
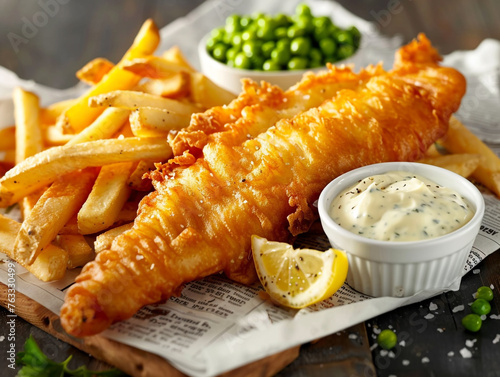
x=35, y=364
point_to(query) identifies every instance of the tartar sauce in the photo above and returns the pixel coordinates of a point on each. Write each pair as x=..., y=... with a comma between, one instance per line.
x=400, y=206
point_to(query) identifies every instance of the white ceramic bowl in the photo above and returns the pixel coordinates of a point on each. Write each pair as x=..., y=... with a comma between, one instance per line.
x=385, y=268
x=229, y=78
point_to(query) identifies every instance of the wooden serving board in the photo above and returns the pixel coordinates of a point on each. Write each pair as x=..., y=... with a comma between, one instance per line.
x=337, y=354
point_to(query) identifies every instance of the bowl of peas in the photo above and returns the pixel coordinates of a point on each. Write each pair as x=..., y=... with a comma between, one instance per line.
x=277, y=48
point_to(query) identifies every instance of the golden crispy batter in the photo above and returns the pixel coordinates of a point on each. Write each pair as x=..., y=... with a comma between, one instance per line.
x=225, y=186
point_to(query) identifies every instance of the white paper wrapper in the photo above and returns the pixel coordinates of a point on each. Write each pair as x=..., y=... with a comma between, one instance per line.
x=217, y=325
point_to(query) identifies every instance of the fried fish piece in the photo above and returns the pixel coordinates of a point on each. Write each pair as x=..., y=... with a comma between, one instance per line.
x=212, y=197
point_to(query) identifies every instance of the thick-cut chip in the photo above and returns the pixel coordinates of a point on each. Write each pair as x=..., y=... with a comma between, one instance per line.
x=78, y=249
x=460, y=140
x=29, y=202
x=208, y=94
x=109, y=194
x=43, y=168
x=53, y=135
x=105, y=126
x=28, y=131
x=93, y=72
x=51, y=263
x=7, y=138
x=80, y=115
x=176, y=86
x=154, y=67
x=153, y=122
x=52, y=211
x=137, y=181
x=175, y=55
x=49, y=114
x=128, y=99
x=104, y=240
x=463, y=164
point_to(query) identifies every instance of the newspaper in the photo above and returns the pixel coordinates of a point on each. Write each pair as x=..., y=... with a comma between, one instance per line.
x=216, y=325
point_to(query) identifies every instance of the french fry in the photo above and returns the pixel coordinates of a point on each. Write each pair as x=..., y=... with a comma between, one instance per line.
x=7, y=138
x=155, y=67
x=175, y=55
x=131, y=100
x=49, y=114
x=463, y=164
x=106, y=124
x=50, y=264
x=176, y=86
x=136, y=180
x=56, y=206
x=208, y=94
x=80, y=115
x=29, y=202
x=78, y=249
x=43, y=168
x=28, y=132
x=460, y=140
x=104, y=240
x=153, y=122
x=52, y=135
x=71, y=227
x=93, y=72
x=108, y=195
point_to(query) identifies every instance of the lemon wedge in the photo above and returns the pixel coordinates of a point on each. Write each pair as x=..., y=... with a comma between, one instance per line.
x=297, y=278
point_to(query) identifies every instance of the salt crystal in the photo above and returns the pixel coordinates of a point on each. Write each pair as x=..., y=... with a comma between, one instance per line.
x=2, y=338
x=458, y=308
x=376, y=330
x=440, y=330
x=405, y=362
x=392, y=355
x=425, y=360
x=495, y=341
x=383, y=353
x=451, y=353
x=374, y=345
x=466, y=354
x=429, y=316
x=476, y=271
x=402, y=343
x=492, y=286
x=353, y=336
x=483, y=317
x=495, y=316
x=432, y=306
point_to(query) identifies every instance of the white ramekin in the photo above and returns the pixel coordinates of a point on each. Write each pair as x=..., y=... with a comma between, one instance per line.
x=229, y=78
x=385, y=268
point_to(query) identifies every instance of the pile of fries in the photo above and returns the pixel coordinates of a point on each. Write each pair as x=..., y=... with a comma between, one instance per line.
x=76, y=167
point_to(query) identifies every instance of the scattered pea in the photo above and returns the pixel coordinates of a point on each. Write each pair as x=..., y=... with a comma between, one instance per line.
x=486, y=293
x=387, y=339
x=480, y=307
x=281, y=42
x=472, y=322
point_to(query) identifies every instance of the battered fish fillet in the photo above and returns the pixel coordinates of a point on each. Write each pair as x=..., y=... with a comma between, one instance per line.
x=236, y=175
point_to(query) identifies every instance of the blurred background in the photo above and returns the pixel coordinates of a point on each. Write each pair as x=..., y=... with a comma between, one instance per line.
x=49, y=40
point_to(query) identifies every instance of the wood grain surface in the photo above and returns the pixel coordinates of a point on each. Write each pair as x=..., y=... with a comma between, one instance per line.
x=432, y=335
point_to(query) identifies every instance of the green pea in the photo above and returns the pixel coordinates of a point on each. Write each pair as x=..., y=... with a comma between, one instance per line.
x=267, y=48
x=211, y=42
x=257, y=62
x=282, y=20
x=242, y=61
x=297, y=62
x=322, y=21
x=252, y=48
x=485, y=293
x=284, y=43
x=327, y=46
x=315, y=63
x=248, y=35
x=236, y=40
x=304, y=22
x=280, y=32
x=271, y=65
x=265, y=33
x=356, y=35
x=295, y=31
x=345, y=51
x=303, y=10
x=232, y=28
x=480, y=307
x=233, y=19
x=245, y=22
x=219, y=52
x=300, y=46
x=231, y=53
x=315, y=54
x=321, y=32
x=281, y=55
x=472, y=322
x=218, y=34
x=344, y=37
x=387, y=339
